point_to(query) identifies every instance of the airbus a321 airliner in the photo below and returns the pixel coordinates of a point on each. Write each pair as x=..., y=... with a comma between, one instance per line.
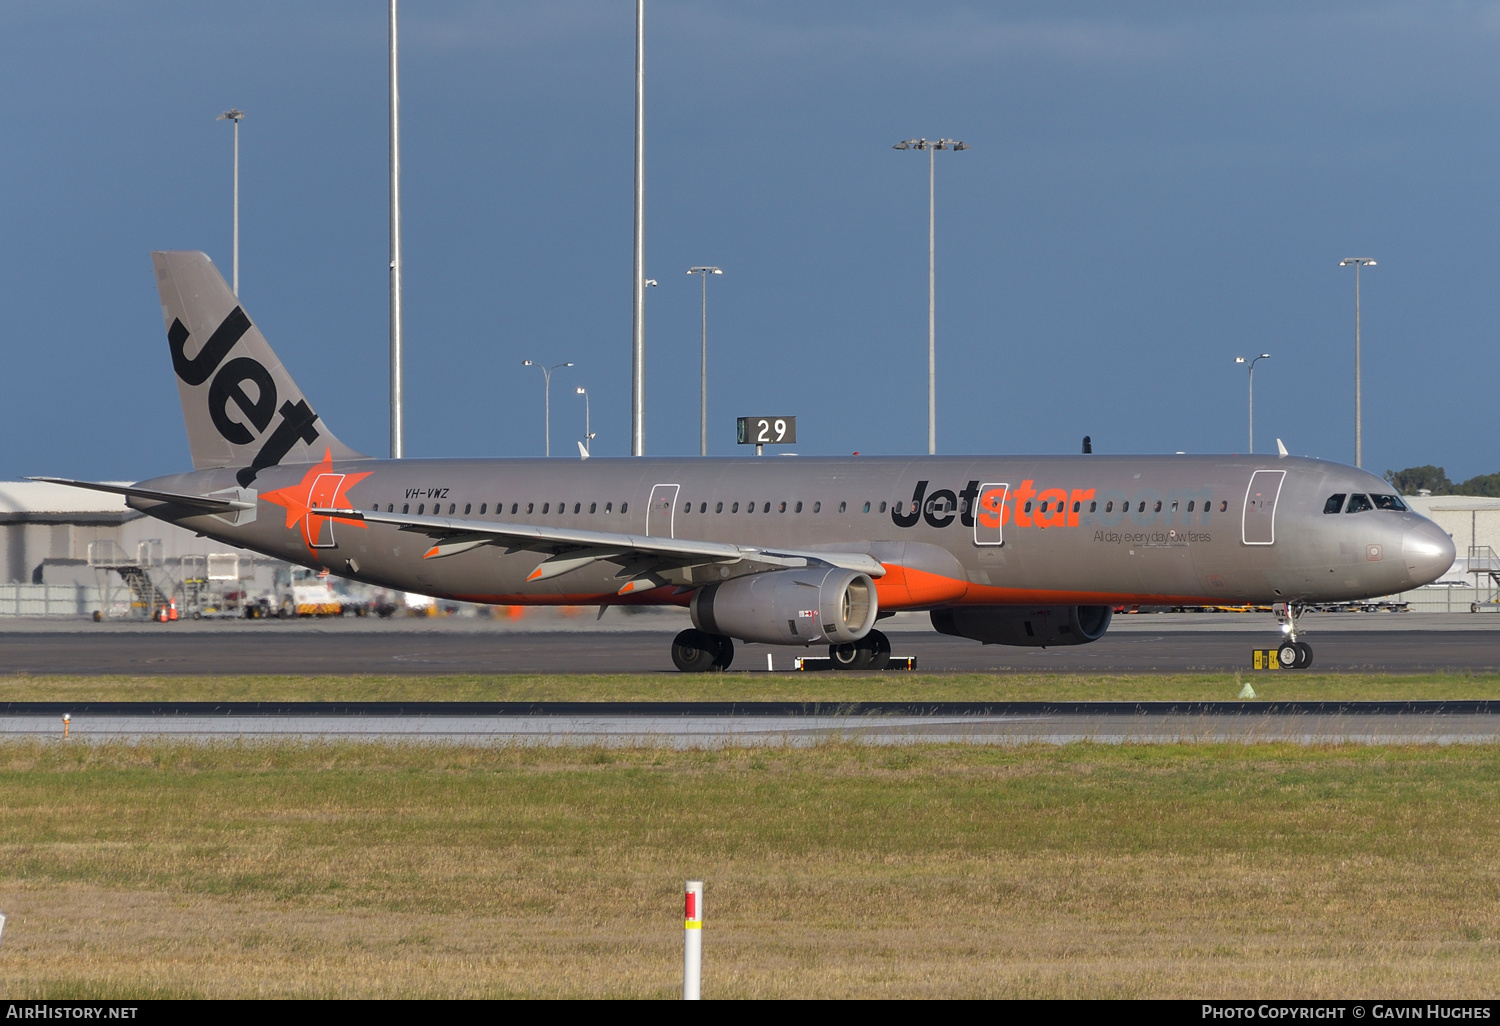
x=1010, y=550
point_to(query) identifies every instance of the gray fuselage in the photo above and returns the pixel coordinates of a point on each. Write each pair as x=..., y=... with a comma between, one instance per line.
x=950, y=531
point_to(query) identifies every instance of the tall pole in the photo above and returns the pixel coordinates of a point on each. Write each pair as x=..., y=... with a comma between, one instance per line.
x=931, y=146
x=1359, y=424
x=588, y=434
x=638, y=287
x=547, y=398
x=398, y=427
x=932, y=301
x=1359, y=399
x=235, y=114
x=703, y=378
x=703, y=363
x=236, y=207
x=1251, y=366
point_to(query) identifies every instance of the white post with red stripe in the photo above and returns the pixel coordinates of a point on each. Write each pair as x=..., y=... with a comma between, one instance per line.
x=692, y=940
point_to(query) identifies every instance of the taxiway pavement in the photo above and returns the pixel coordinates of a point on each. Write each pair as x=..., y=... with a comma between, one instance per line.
x=716, y=724
x=1159, y=643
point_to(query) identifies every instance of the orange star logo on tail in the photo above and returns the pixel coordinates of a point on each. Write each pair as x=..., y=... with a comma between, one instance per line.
x=321, y=487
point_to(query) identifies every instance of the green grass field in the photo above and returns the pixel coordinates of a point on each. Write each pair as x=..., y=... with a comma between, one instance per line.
x=830, y=687
x=375, y=870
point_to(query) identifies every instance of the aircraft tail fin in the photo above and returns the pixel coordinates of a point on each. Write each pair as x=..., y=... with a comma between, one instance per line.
x=241, y=407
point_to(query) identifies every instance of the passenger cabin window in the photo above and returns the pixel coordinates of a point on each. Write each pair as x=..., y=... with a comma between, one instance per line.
x=515, y=506
x=1358, y=503
x=867, y=507
x=843, y=507
x=799, y=508
x=483, y=506
x=593, y=507
x=546, y=507
x=702, y=507
x=687, y=507
x=624, y=508
x=406, y=507
x=1190, y=505
x=817, y=507
x=1388, y=502
x=608, y=506
x=735, y=508
x=1223, y=505
x=1094, y=507
x=781, y=508
x=390, y=507
x=718, y=507
x=1109, y=507
x=420, y=507
x=882, y=507
x=766, y=508
x=453, y=508
x=1335, y=502
x=530, y=506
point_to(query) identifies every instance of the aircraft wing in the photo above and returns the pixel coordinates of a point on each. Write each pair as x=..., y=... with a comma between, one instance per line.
x=644, y=558
x=202, y=502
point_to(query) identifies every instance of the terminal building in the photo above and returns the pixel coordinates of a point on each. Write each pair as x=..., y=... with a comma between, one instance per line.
x=70, y=552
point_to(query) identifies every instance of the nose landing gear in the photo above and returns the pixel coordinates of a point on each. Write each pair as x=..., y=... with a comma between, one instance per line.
x=1292, y=653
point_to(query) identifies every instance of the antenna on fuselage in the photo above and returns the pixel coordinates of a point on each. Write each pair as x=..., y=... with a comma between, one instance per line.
x=1088, y=445
x=1280, y=449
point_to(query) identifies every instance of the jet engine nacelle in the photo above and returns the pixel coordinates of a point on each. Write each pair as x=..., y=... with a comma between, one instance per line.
x=827, y=605
x=1025, y=625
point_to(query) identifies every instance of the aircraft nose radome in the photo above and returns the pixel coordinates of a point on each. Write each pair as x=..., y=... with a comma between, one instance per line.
x=1428, y=552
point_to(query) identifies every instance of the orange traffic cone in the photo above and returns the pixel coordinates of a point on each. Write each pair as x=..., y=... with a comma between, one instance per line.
x=172, y=611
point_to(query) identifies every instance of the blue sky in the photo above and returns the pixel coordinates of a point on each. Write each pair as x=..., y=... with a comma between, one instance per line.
x=1152, y=190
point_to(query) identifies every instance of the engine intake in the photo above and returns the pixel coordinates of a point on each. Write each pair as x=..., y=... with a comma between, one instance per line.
x=1029, y=626
x=827, y=605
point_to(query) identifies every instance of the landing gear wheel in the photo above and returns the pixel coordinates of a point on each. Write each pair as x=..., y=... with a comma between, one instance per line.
x=852, y=655
x=1288, y=655
x=726, y=652
x=695, y=651
x=871, y=652
x=1304, y=655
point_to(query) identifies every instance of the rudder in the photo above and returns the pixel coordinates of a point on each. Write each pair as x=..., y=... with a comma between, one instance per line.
x=241, y=407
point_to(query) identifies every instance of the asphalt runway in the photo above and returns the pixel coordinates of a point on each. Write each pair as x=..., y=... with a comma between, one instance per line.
x=720, y=724
x=276, y=648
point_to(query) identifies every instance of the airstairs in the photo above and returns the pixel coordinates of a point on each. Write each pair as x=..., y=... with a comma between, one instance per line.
x=146, y=597
x=1483, y=562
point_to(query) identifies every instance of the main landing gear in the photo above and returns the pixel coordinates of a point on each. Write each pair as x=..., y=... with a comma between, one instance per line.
x=871, y=652
x=1292, y=654
x=696, y=651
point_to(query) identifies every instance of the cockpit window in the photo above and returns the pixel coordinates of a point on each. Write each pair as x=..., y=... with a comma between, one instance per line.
x=1334, y=503
x=1389, y=502
x=1358, y=503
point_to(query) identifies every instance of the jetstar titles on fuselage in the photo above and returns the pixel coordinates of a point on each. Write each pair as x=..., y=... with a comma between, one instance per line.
x=998, y=505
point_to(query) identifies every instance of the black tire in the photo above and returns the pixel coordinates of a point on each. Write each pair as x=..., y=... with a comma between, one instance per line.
x=1288, y=655
x=1304, y=655
x=880, y=650
x=726, y=652
x=852, y=655
x=694, y=651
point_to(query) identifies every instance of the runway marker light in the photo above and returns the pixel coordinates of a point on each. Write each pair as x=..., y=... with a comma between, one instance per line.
x=770, y=665
x=67, y=719
x=692, y=940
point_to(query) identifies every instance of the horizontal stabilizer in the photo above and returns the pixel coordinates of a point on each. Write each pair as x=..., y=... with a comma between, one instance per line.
x=203, y=502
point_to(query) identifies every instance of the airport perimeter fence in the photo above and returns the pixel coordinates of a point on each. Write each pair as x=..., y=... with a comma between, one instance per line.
x=1447, y=600
x=49, y=599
